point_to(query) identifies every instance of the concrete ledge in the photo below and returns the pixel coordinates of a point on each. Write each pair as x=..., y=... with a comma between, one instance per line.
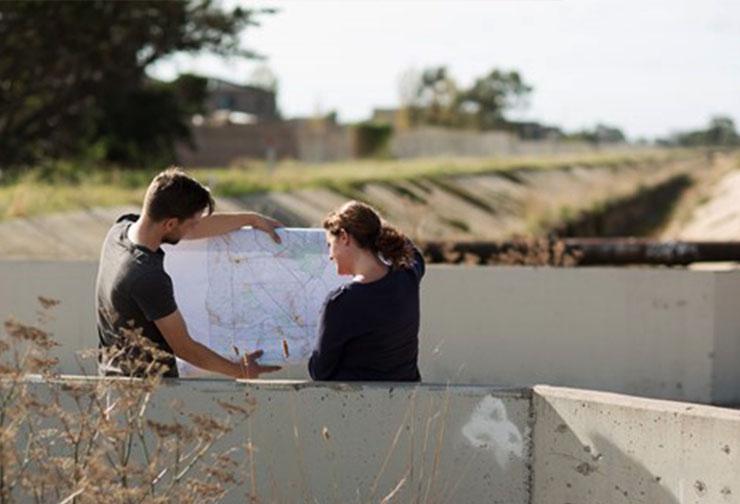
x=357, y=441
x=320, y=442
x=598, y=447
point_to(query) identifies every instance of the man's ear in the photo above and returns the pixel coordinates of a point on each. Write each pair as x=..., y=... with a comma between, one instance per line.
x=170, y=224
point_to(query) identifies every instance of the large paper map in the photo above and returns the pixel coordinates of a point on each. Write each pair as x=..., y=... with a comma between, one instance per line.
x=243, y=290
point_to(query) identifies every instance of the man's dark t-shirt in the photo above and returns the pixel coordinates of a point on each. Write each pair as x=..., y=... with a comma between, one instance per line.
x=370, y=332
x=132, y=291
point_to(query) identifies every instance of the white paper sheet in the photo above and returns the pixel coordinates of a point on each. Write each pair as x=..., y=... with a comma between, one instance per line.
x=244, y=290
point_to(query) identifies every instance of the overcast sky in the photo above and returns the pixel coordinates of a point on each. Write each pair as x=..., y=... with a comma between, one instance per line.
x=648, y=66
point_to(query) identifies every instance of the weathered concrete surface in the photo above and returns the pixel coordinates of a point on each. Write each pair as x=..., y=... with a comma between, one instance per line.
x=72, y=324
x=334, y=443
x=648, y=332
x=664, y=333
x=321, y=442
x=726, y=353
x=596, y=447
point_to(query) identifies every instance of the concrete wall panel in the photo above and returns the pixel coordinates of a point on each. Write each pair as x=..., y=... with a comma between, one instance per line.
x=598, y=447
x=331, y=443
x=637, y=331
x=663, y=333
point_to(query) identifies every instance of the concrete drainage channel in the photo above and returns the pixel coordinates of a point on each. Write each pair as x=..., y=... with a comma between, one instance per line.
x=656, y=332
x=486, y=206
x=316, y=442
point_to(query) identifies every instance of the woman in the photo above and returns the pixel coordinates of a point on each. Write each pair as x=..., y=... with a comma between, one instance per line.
x=369, y=328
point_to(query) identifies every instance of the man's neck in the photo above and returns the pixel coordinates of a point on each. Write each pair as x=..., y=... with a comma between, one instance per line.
x=144, y=233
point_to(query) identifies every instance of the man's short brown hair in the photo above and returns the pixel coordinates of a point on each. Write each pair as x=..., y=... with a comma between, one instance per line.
x=174, y=194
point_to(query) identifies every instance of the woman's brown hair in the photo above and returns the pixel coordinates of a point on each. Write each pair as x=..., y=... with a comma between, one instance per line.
x=362, y=222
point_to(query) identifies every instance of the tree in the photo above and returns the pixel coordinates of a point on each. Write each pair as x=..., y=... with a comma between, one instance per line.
x=492, y=95
x=600, y=134
x=407, y=87
x=720, y=133
x=147, y=133
x=434, y=97
x=70, y=70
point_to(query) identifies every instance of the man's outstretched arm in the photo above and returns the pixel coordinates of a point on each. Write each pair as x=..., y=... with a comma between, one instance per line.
x=176, y=334
x=221, y=223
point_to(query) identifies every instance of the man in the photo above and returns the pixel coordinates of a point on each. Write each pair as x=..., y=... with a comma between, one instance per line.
x=140, y=327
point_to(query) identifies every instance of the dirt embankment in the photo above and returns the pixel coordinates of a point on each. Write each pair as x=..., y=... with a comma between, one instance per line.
x=494, y=206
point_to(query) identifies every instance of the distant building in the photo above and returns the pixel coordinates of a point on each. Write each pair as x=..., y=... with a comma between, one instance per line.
x=531, y=130
x=241, y=123
x=251, y=100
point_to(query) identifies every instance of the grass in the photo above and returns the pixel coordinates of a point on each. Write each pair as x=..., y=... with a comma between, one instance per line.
x=43, y=191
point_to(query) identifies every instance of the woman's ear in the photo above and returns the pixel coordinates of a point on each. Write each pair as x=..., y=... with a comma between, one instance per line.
x=343, y=237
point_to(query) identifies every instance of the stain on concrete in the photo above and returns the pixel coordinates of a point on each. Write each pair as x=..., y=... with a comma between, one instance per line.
x=701, y=488
x=585, y=468
x=490, y=428
x=624, y=492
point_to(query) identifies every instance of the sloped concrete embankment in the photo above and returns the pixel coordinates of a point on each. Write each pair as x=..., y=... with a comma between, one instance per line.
x=490, y=206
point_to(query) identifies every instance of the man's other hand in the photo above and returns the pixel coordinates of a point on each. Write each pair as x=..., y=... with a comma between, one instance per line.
x=252, y=369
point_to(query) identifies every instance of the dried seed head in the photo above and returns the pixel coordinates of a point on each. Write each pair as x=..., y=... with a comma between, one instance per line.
x=48, y=303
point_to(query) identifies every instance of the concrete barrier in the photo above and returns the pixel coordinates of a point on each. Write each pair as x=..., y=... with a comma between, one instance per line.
x=599, y=447
x=663, y=333
x=317, y=442
x=320, y=442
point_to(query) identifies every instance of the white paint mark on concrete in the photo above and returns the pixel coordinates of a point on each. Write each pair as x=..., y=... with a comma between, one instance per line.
x=490, y=428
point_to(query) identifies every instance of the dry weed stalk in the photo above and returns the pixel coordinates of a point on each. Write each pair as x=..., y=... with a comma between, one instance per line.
x=92, y=440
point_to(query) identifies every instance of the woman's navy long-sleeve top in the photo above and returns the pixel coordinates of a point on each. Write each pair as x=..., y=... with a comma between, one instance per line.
x=370, y=331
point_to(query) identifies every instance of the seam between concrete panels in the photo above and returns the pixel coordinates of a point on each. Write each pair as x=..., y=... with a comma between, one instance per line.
x=530, y=452
x=716, y=311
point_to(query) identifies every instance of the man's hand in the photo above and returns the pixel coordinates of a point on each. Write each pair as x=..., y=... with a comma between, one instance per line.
x=252, y=369
x=268, y=225
x=222, y=223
